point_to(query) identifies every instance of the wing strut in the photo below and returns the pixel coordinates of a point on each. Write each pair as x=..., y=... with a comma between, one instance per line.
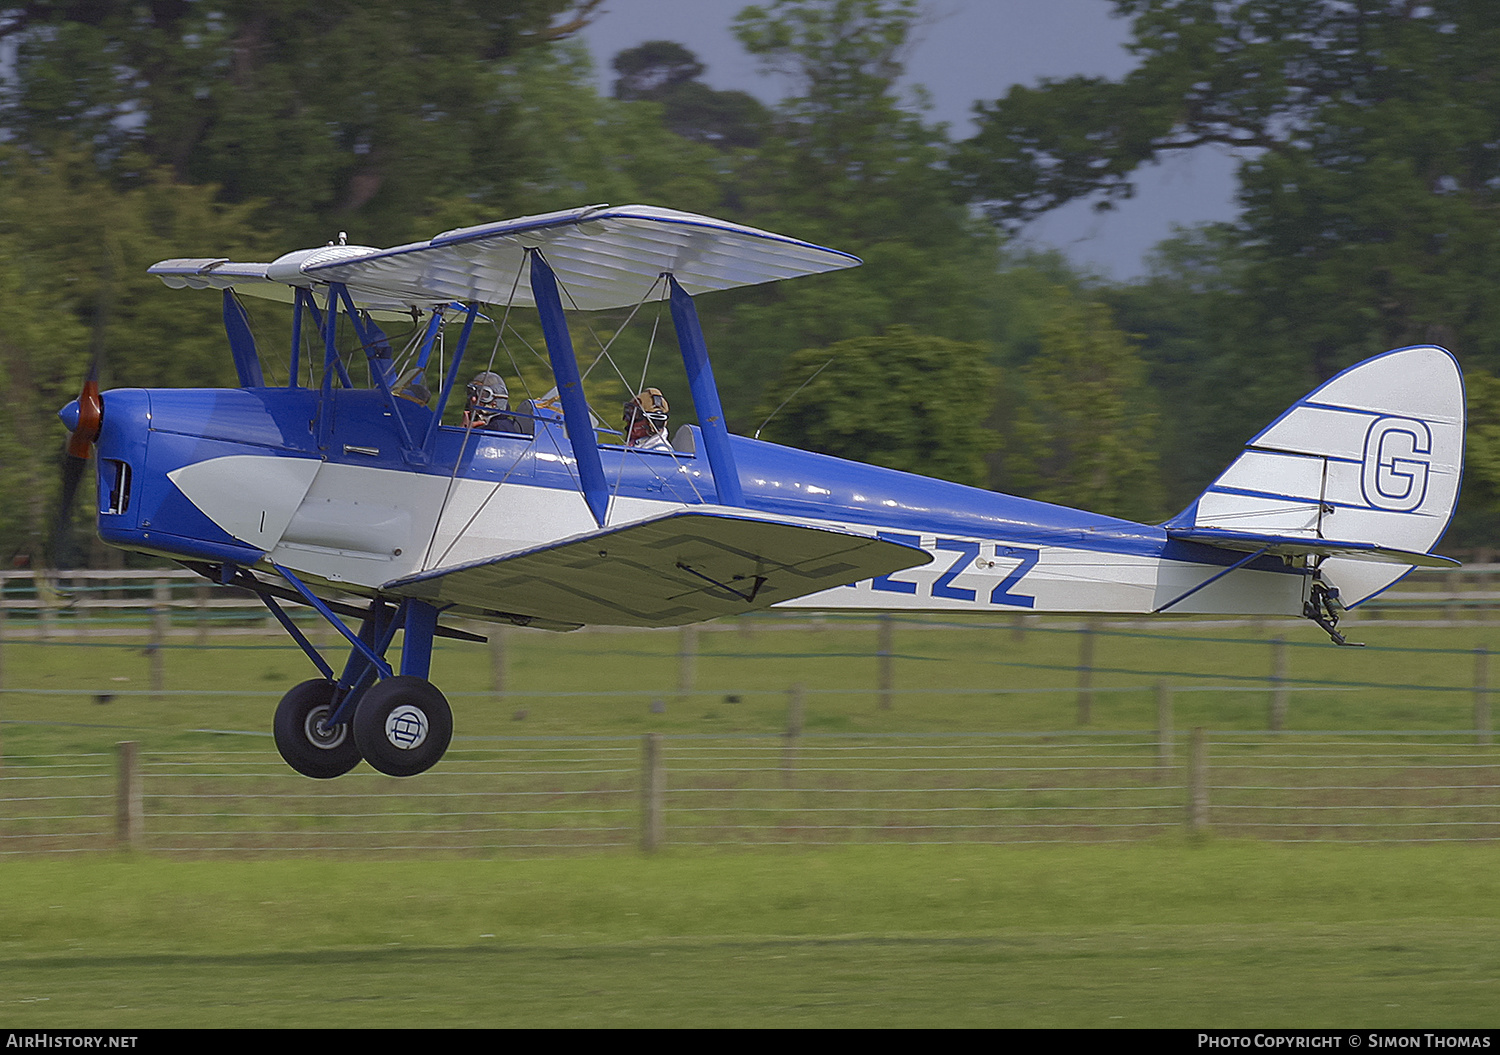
x=576, y=419
x=242, y=342
x=705, y=396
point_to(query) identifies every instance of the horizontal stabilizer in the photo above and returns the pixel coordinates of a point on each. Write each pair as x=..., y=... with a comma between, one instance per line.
x=684, y=567
x=1298, y=546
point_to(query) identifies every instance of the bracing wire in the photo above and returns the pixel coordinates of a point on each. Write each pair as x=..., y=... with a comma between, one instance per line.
x=793, y=396
x=462, y=448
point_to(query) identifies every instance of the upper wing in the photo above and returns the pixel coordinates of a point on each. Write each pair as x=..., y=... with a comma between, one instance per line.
x=604, y=257
x=683, y=567
x=219, y=273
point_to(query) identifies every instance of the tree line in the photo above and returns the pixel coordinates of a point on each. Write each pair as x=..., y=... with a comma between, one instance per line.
x=1368, y=183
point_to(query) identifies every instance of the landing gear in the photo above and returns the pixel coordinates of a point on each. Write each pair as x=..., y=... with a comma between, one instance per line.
x=399, y=723
x=309, y=744
x=1324, y=608
x=403, y=725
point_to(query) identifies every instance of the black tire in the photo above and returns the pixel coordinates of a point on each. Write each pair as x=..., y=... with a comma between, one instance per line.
x=310, y=747
x=403, y=725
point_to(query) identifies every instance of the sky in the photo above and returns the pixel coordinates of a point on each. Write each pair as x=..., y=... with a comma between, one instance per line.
x=968, y=50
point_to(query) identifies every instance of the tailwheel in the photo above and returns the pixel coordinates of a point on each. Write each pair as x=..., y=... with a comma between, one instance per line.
x=403, y=725
x=309, y=745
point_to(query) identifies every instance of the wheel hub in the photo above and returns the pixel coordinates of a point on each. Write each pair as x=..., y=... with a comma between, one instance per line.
x=320, y=733
x=406, y=727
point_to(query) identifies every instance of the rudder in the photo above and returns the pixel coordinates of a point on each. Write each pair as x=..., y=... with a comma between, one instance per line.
x=1375, y=454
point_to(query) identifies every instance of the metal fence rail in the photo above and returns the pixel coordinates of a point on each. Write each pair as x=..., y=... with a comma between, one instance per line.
x=525, y=795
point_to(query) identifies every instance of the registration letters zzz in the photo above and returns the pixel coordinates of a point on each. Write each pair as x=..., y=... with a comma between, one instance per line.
x=967, y=554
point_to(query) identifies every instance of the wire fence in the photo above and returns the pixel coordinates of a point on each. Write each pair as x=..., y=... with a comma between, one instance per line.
x=785, y=785
x=541, y=794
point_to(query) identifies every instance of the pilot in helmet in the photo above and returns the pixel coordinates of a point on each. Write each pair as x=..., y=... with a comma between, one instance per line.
x=489, y=404
x=646, y=421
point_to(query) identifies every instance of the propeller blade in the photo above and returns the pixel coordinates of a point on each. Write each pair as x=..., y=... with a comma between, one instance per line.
x=80, y=443
x=90, y=411
x=73, y=470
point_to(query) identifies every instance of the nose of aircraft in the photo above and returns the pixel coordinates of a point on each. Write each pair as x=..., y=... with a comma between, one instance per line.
x=69, y=415
x=83, y=417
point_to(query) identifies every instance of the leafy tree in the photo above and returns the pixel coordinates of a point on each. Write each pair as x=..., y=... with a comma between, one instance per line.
x=649, y=70
x=1480, y=499
x=847, y=163
x=665, y=72
x=73, y=257
x=579, y=148
x=902, y=400
x=1192, y=322
x=1371, y=132
x=1085, y=434
x=338, y=113
x=30, y=329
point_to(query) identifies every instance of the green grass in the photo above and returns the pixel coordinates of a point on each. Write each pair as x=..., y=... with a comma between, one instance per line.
x=1166, y=935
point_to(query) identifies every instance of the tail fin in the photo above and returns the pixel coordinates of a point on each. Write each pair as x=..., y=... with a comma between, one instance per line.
x=1367, y=465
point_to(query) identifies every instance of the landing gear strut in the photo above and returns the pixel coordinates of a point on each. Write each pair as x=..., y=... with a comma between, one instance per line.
x=1324, y=608
x=399, y=723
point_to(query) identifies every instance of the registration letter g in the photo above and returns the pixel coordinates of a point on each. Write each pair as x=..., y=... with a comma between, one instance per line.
x=1398, y=452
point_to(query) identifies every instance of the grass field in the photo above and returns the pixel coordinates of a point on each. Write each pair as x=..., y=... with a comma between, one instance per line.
x=1213, y=934
x=1163, y=933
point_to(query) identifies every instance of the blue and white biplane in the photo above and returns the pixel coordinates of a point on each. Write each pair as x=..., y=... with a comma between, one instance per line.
x=357, y=499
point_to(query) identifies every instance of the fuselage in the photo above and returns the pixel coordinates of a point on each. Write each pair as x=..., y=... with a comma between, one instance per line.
x=345, y=494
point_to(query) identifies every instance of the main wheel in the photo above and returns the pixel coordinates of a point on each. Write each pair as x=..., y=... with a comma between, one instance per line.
x=403, y=725
x=309, y=745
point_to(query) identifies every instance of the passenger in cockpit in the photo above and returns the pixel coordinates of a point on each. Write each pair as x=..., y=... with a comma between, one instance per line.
x=646, y=421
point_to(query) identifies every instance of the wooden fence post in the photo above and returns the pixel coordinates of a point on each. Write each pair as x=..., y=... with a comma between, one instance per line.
x=1163, y=729
x=79, y=592
x=687, y=659
x=161, y=619
x=1198, y=782
x=653, y=795
x=1277, y=717
x=129, y=808
x=1086, y=673
x=499, y=659
x=200, y=598
x=1482, y=694
x=793, y=732
x=46, y=602
x=3, y=604
x=884, y=659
